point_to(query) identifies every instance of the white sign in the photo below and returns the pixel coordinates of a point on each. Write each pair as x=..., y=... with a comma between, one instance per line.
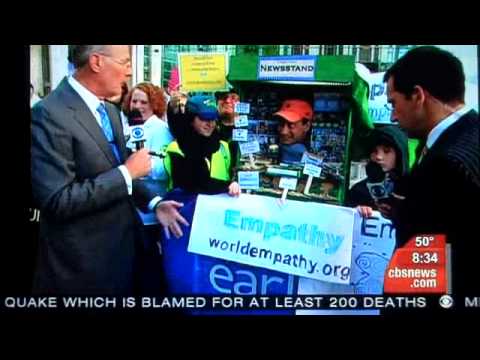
x=254, y=230
x=241, y=121
x=296, y=68
x=372, y=248
x=309, y=158
x=249, y=179
x=251, y=147
x=312, y=170
x=289, y=183
x=378, y=107
x=242, y=108
x=240, y=134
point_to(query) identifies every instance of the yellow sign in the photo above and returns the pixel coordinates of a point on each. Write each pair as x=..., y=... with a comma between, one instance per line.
x=203, y=72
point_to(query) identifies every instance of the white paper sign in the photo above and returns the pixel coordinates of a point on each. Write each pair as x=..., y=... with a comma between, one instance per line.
x=289, y=183
x=372, y=248
x=242, y=108
x=249, y=179
x=240, y=134
x=254, y=230
x=251, y=147
x=241, y=121
x=308, y=158
x=378, y=107
x=312, y=170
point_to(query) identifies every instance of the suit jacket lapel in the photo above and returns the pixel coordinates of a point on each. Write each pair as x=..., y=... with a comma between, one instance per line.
x=85, y=117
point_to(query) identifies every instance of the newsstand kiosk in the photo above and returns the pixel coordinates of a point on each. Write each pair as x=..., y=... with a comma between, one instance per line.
x=327, y=83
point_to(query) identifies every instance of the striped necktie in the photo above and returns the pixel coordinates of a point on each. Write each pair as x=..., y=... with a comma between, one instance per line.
x=107, y=130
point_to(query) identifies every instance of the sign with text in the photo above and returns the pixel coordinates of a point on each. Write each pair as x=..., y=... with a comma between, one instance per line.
x=293, y=68
x=372, y=248
x=250, y=147
x=312, y=170
x=289, y=183
x=378, y=108
x=254, y=230
x=240, y=135
x=242, y=108
x=249, y=180
x=309, y=158
x=241, y=121
x=203, y=71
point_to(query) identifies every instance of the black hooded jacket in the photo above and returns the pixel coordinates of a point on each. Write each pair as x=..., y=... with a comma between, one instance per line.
x=191, y=173
x=390, y=135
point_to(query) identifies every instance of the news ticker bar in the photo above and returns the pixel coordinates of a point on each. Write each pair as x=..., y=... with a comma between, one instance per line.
x=210, y=302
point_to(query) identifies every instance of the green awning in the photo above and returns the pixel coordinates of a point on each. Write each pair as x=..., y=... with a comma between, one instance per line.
x=335, y=69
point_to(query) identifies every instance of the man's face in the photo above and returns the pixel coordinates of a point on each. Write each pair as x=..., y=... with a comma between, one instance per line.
x=292, y=133
x=407, y=111
x=226, y=104
x=116, y=69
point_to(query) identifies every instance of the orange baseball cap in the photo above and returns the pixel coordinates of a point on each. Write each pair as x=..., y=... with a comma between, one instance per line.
x=294, y=110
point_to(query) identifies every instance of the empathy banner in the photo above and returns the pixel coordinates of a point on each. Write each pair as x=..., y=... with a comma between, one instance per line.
x=306, y=239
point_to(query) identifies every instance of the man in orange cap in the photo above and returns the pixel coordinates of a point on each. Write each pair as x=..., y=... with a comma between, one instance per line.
x=294, y=122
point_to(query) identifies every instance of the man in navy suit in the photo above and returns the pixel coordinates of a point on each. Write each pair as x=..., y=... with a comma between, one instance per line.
x=85, y=185
x=426, y=88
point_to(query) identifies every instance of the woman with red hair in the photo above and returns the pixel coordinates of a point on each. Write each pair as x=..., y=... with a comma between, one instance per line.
x=150, y=101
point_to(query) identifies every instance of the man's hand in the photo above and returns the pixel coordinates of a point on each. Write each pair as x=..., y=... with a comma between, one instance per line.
x=139, y=163
x=365, y=211
x=234, y=189
x=169, y=217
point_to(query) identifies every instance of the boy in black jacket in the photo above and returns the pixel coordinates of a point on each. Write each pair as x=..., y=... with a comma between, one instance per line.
x=388, y=147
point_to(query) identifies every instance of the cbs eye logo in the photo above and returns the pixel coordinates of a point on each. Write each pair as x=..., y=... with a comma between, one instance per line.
x=446, y=301
x=137, y=133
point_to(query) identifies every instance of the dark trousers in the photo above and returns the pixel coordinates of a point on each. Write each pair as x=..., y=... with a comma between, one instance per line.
x=151, y=278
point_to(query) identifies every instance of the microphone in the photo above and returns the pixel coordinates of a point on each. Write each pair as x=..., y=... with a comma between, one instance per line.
x=137, y=133
x=379, y=185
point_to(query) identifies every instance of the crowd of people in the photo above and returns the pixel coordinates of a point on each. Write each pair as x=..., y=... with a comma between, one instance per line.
x=101, y=198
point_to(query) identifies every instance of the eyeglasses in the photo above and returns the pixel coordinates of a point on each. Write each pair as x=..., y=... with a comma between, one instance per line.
x=125, y=63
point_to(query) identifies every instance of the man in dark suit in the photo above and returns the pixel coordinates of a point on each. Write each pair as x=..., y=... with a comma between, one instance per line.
x=85, y=185
x=426, y=88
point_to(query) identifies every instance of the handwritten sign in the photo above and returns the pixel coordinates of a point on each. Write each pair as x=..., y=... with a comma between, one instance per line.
x=241, y=121
x=312, y=170
x=309, y=158
x=250, y=147
x=289, y=183
x=240, y=134
x=242, y=108
x=249, y=179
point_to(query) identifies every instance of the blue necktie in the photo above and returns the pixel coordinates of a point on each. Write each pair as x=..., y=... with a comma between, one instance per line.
x=107, y=130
